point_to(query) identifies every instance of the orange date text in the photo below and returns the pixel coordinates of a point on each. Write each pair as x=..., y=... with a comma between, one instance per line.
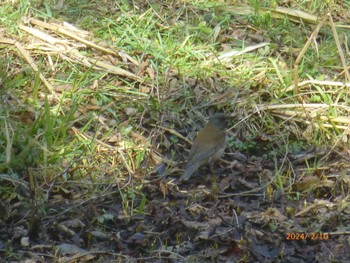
x=304, y=236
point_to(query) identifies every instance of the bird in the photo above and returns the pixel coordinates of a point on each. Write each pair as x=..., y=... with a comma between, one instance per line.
x=208, y=146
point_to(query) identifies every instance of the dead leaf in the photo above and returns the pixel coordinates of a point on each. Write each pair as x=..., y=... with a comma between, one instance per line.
x=68, y=249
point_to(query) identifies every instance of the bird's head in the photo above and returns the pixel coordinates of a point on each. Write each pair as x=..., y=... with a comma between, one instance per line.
x=219, y=120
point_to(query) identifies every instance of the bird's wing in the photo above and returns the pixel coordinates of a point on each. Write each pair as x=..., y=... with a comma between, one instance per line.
x=205, y=151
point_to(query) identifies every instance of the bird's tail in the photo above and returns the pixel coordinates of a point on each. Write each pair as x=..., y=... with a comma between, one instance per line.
x=190, y=168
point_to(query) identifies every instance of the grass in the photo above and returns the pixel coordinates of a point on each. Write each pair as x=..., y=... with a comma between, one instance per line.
x=182, y=47
x=101, y=126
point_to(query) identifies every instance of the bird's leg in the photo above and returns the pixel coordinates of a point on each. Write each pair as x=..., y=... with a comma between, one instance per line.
x=211, y=167
x=214, y=181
